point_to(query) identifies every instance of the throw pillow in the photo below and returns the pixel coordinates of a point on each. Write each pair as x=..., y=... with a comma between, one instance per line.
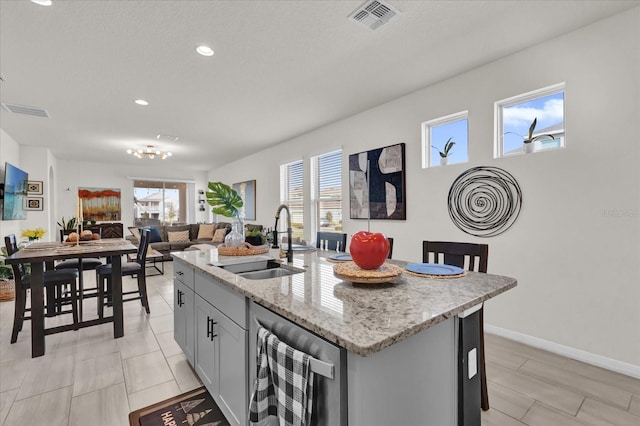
x=206, y=231
x=180, y=236
x=218, y=237
x=135, y=232
x=154, y=235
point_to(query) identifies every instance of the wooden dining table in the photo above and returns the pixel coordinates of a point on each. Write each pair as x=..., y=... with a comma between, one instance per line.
x=40, y=253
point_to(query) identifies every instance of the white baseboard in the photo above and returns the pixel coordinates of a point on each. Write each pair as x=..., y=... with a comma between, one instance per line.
x=573, y=353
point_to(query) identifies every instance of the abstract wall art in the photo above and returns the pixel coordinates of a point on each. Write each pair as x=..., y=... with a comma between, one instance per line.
x=484, y=201
x=247, y=191
x=377, y=183
x=100, y=204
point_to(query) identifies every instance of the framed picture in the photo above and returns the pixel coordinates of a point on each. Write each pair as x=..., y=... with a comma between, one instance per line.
x=100, y=204
x=377, y=184
x=247, y=191
x=32, y=203
x=34, y=187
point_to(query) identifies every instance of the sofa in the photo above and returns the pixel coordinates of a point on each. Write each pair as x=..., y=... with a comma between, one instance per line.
x=168, y=238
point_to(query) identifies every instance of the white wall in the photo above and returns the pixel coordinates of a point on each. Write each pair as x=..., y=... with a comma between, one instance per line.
x=576, y=245
x=74, y=174
x=9, y=151
x=62, y=178
x=35, y=161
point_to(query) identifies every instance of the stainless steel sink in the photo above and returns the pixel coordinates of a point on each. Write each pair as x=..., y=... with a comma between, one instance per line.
x=268, y=273
x=257, y=265
x=259, y=269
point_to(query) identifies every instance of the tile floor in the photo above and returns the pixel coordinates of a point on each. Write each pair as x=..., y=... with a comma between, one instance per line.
x=529, y=386
x=89, y=378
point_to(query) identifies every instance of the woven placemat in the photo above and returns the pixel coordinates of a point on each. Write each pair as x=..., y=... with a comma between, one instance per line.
x=349, y=271
x=76, y=249
x=435, y=277
x=41, y=248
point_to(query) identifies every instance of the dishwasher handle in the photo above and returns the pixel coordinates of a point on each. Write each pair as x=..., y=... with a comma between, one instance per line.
x=322, y=368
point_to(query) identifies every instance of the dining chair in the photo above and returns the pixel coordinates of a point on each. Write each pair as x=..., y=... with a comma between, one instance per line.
x=137, y=268
x=332, y=238
x=390, y=239
x=472, y=257
x=53, y=283
x=81, y=264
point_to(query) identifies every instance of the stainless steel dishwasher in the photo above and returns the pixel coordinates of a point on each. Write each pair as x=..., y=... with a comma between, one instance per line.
x=330, y=394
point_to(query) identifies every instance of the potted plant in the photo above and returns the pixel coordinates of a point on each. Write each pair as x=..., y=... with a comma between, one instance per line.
x=67, y=225
x=530, y=139
x=7, y=283
x=444, y=154
x=225, y=201
x=33, y=234
x=254, y=237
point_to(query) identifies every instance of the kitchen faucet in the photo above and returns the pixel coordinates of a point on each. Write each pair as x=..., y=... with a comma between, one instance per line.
x=289, y=232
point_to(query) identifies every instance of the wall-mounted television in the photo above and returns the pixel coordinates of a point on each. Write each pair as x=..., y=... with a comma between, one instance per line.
x=15, y=191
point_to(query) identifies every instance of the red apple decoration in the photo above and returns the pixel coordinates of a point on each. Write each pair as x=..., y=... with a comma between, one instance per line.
x=369, y=250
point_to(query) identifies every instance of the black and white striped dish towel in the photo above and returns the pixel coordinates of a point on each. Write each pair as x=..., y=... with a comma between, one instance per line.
x=284, y=386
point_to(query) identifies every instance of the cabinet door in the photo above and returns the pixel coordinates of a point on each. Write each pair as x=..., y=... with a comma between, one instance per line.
x=232, y=368
x=183, y=319
x=206, y=344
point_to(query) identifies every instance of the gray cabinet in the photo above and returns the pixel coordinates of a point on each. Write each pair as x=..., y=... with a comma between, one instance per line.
x=183, y=309
x=221, y=347
x=231, y=369
x=206, y=344
x=183, y=325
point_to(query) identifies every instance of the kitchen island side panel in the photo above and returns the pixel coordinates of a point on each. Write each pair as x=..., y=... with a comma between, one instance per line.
x=411, y=383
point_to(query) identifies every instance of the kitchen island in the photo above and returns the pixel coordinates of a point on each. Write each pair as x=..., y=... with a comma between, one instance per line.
x=397, y=346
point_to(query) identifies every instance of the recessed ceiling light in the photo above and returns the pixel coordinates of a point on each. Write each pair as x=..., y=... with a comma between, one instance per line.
x=141, y=102
x=204, y=50
x=168, y=137
x=42, y=2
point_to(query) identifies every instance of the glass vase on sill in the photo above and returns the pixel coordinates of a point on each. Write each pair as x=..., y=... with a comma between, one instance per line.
x=236, y=236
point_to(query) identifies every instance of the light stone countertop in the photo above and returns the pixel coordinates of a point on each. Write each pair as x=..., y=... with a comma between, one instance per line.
x=362, y=318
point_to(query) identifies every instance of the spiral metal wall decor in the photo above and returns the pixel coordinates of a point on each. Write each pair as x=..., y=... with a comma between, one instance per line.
x=484, y=201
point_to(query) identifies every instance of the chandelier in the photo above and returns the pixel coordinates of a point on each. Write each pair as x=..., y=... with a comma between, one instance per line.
x=150, y=152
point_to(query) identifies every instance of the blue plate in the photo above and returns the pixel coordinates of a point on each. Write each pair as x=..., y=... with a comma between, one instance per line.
x=297, y=248
x=341, y=257
x=434, y=269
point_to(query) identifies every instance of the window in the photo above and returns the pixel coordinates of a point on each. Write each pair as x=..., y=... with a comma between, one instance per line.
x=156, y=203
x=327, y=191
x=515, y=116
x=452, y=131
x=292, y=194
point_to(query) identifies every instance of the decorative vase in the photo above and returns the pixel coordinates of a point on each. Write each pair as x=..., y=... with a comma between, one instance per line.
x=528, y=148
x=444, y=161
x=235, y=237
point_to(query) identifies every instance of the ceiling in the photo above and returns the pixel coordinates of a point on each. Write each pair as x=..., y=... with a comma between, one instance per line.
x=280, y=69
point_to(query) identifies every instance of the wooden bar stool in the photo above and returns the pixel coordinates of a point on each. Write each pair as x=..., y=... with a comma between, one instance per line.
x=53, y=283
x=475, y=257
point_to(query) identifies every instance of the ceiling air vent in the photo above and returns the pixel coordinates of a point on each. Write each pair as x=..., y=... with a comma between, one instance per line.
x=373, y=14
x=21, y=109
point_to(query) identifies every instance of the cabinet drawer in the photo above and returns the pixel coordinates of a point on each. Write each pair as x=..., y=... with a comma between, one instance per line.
x=226, y=300
x=183, y=272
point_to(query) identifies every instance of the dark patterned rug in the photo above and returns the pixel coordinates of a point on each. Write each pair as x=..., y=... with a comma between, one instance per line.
x=194, y=408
